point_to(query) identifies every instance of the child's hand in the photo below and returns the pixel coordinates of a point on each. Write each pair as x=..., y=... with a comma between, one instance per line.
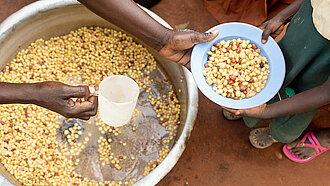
x=271, y=27
x=256, y=112
x=180, y=43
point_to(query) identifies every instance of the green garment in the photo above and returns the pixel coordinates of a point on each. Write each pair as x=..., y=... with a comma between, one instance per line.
x=307, y=58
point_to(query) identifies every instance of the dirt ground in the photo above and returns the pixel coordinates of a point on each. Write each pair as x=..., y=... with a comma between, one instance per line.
x=218, y=151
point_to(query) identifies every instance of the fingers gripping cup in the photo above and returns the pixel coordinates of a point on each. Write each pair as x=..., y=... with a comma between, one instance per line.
x=117, y=100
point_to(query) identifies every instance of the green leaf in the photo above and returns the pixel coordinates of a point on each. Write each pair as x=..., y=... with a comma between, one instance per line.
x=182, y=26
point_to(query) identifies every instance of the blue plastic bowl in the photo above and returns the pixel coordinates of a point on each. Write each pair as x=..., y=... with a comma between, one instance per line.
x=270, y=50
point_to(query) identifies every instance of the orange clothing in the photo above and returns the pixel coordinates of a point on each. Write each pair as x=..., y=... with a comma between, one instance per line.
x=254, y=12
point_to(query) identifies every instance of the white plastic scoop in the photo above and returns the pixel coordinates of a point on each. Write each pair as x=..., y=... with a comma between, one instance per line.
x=117, y=97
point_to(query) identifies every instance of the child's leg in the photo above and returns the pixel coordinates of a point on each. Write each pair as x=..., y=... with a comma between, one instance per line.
x=251, y=122
x=286, y=129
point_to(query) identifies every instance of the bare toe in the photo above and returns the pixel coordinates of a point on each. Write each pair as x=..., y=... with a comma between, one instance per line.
x=293, y=144
x=294, y=149
x=300, y=155
x=303, y=152
x=305, y=157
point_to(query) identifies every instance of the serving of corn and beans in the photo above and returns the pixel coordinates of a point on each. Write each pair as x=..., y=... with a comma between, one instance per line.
x=236, y=69
x=40, y=147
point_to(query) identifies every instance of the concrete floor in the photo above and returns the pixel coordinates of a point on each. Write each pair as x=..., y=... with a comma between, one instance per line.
x=218, y=152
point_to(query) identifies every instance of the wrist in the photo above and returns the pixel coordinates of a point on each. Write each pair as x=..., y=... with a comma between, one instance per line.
x=284, y=17
x=165, y=37
x=31, y=93
x=281, y=19
x=267, y=114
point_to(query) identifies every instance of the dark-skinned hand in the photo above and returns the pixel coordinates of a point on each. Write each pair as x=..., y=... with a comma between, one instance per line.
x=256, y=112
x=57, y=97
x=272, y=27
x=179, y=46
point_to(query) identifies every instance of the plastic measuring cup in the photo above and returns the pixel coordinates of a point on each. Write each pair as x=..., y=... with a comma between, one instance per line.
x=117, y=97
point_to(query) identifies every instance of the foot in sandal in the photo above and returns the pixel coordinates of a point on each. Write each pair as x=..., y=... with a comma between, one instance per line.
x=308, y=147
x=229, y=115
x=260, y=138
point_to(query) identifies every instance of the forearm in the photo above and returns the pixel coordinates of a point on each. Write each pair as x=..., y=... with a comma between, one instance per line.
x=17, y=93
x=302, y=102
x=287, y=14
x=128, y=16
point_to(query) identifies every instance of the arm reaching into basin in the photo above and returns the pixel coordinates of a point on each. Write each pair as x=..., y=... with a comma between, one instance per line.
x=54, y=96
x=175, y=45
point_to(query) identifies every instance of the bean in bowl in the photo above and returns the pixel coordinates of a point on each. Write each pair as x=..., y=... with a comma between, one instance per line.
x=236, y=69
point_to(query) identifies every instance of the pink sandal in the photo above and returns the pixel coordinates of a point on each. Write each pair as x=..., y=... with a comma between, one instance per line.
x=314, y=144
